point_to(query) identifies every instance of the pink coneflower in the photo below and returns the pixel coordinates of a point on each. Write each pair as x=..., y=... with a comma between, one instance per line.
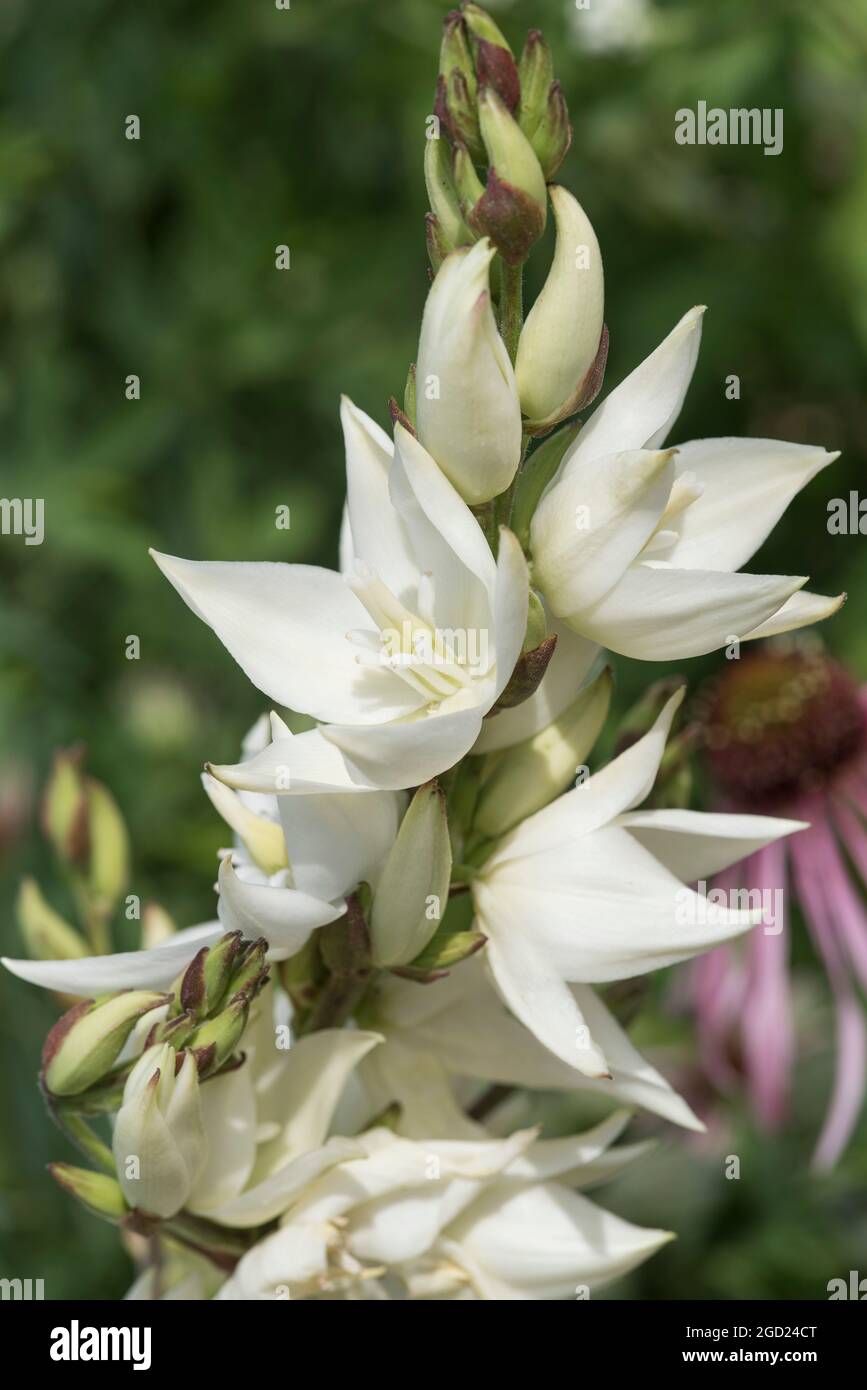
x=785, y=733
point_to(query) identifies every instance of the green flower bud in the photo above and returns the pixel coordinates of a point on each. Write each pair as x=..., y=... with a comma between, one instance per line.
x=513, y=208
x=84, y=1044
x=98, y=1192
x=443, y=196
x=494, y=62
x=250, y=971
x=214, y=1041
x=536, y=72
x=468, y=185
x=520, y=780
x=412, y=893
x=46, y=935
x=109, y=849
x=64, y=808
x=206, y=978
x=553, y=135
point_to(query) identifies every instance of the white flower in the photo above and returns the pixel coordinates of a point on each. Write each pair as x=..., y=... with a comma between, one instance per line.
x=402, y=659
x=451, y=1218
x=639, y=548
x=562, y=332
x=590, y=890
x=460, y=1028
x=469, y=418
x=159, y=1139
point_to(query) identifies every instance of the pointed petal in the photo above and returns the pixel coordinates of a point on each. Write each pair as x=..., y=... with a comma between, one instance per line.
x=604, y=909
x=639, y=412
x=656, y=613
x=698, y=844
x=591, y=525
x=406, y=753
x=303, y=764
x=747, y=485
x=93, y=975
x=617, y=787
x=442, y=530
x=285, y=917
x=802, y=609
x=542, y=1242
x=286, y=627
x=378, y=535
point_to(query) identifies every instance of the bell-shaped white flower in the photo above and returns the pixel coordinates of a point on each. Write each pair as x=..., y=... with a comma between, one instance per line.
x=589, y=890
x=159, y=1138
x=402, y=658
x=639, y=548
x=469, y=418
x=561, y=335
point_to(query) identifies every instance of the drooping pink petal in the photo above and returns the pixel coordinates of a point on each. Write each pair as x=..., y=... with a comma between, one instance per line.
x=767, y=1027
x=850, y=1077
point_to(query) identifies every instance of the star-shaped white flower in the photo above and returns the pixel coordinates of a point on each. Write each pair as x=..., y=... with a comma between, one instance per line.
x=639, y=547
x=590, y=890
x=402, y=656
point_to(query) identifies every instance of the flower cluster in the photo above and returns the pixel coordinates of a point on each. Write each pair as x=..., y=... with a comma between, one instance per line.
x=425, y=887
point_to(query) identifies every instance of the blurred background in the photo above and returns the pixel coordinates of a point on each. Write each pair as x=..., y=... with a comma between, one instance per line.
x=304, y=127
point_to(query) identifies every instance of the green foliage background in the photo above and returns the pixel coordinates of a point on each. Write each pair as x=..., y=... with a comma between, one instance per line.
x=305, y=127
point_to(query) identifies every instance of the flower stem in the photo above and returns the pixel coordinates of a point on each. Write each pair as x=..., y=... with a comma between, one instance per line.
x=345, y=949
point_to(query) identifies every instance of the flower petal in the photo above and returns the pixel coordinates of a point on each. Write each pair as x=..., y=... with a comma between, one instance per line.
x=639, y=412
x=336, y=840
x=93, y=975
x=286, y=627
x=285, y=917
x=698, y=844
x=802, y=609
x=656, y=613
x=747, y=485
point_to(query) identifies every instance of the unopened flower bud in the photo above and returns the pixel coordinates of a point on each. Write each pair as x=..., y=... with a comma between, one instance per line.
x=467, y=410
x=84, y=1044
x=536, y=72
x=520, y=780
x=214, y=1041
x=412, y=892
x=457, y=86
x=468, y=186
x=560, y=340
x=64, y=808
x=204, y=982
x=46, y=934
x=109, y=849
x=443, y=196
x=159, y=1138
x=250, y=970
x=513, y=208
x=98, y=1192
x=553, y=135
x=495, y=65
